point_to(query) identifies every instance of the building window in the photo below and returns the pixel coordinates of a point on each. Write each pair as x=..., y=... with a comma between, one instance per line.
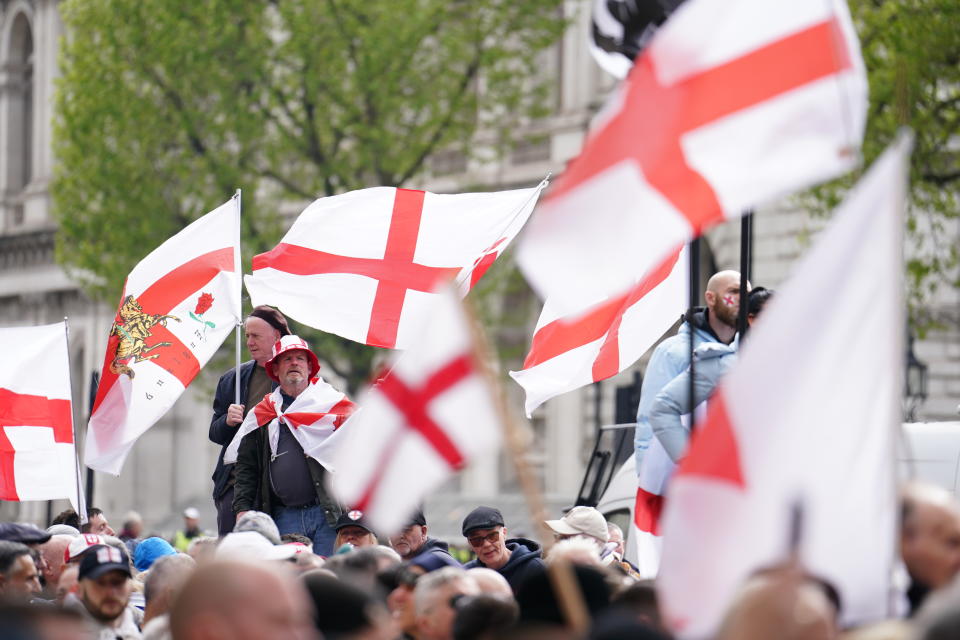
x=19, y=71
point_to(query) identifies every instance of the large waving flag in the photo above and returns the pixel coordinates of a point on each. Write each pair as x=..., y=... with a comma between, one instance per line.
x=178, y=305
x=734, y=103
x=38, y=458
x=364, y=264
x=807, y=418
x=570, y=351
x=425, y=419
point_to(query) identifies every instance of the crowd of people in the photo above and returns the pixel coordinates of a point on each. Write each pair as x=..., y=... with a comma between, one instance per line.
x=76, y=581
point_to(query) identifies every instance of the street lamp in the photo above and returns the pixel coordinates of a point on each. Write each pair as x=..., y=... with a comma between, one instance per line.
x=915, y=390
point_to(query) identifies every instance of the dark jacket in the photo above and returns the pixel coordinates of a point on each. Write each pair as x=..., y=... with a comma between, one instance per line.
x=220, y=432
x=524, y=561
x=436, y=550
x=252, y=488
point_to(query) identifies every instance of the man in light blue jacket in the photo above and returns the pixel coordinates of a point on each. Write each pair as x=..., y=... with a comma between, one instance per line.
x=717, y=322
x=713, y=360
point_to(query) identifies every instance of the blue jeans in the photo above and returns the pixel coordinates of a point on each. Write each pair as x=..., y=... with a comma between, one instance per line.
x=310, y=521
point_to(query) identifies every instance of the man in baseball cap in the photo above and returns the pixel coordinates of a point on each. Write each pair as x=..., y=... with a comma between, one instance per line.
x=104, y=589
x=413, y=541
x=582, y=522
x=352, y=528
x=514, y=558
x=273, y=472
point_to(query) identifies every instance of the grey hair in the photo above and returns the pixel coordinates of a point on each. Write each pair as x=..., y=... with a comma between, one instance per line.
x=430, y=583
x=9, y=552
x=167, y=573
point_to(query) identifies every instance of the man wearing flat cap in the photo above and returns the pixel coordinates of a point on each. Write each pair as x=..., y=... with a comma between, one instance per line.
x=412, y=541
x=516, y=559
x=262, y=328
x=280, y=447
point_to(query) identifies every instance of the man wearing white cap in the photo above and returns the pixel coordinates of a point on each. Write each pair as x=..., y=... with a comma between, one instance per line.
x=278, y=467
x=582, y=522
x=191, y=530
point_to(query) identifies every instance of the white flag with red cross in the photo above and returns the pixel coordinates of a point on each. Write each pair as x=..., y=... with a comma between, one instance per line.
x=425, y=419
x=807, y=418
x=571, y=351
x=38, y=457
x=178, y=305
x=734, y=103
x=364, y=264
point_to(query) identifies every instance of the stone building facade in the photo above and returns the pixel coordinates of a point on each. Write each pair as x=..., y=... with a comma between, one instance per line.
x=170, y=466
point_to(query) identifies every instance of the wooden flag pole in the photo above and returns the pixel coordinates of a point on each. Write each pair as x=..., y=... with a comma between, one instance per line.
x=560, y=573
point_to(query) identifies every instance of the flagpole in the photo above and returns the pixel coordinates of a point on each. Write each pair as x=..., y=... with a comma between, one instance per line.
x=239, y=330
x=81, y=507
x=560, y=573
x=746, y=248
x=694, y=248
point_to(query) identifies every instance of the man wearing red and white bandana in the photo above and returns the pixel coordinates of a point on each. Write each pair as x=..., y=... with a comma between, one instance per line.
x=279, y=444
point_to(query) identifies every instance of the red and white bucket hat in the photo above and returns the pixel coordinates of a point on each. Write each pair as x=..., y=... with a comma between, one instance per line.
x=291, y=343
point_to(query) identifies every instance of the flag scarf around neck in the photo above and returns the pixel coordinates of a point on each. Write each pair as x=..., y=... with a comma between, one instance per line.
x=364, y=264
x=571, y=351
x=37, y=449
x=429, y=416
x=807, y=417
x=178, y=305
x=313, y=416
x=734, y=104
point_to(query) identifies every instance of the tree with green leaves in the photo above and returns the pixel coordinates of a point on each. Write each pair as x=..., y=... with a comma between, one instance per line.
x=911, y=49
x=164, y=107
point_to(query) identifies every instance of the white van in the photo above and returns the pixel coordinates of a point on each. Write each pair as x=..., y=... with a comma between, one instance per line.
x=929, y=451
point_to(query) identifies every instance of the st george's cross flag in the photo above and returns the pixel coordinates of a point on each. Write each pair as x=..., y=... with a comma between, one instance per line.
x=733, y=104
x=178, y=305
x=571, y=351
x=364, y=264
x=431, y=414
x=806, y=419
x=312, y=417
x=38, y=457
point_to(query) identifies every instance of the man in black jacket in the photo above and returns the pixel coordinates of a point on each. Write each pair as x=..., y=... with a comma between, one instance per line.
x=516, y=559
x=413, y=541
x=263, y=327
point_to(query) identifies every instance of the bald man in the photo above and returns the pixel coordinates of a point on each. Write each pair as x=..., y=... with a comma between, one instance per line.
x=716, y=322
x=53, y=551
x=929, y=539
x=241, y=601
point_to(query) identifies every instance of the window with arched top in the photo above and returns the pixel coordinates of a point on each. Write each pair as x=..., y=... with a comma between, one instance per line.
x=18, y=89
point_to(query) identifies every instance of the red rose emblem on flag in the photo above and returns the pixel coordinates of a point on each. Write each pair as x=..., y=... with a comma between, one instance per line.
x=203, y=304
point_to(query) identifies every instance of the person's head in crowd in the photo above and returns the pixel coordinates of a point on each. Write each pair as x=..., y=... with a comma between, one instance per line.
x=930, y=536
x=362, y=566
x=639, y=600
x=427, y=562
x=104, y=583
x=486, y=534
x=30, y=622
x=68, y=583
x=54, y=552
x=19, y=578
x=163, y=582
x=491, y=583
x=241, y=601
x=261, y=523
x=63, y=530
x=410, y=540
x=191, y=521
x=149, y=551
x=343, y=610
x=306, y=560
x=24, y=533
x=79, y=545
x=939, y=618
x=296, y=537
x=759, y=297
x=132, y=526
x=723, y=303
x=433, y=598
x=352, y=528
x=292, y=365
x=250, y=545
x=202, y=548
x=483, y=617
x=615, y=534
x=539, y=604
x=782, y=602
x=400, y=599
x=68, y=517
x=575, y=550
x=581, y=522
x=262, y=328
x=616, y=624
x=97, y=523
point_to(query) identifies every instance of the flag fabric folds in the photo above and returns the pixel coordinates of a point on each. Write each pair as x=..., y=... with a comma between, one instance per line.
x=313, y=416
x=733, y=104
x=178, y=305
x=426, y=418
x=805, y=420
x=569, y=352
x=364, y=264
x=37, y=450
